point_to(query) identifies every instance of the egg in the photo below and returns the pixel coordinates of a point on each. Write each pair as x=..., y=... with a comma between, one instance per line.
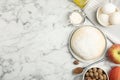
x=104, y=18
x=115, y=18
x=108, y=8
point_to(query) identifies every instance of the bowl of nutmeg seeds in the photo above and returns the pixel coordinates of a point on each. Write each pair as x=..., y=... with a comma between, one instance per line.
x=95, y=73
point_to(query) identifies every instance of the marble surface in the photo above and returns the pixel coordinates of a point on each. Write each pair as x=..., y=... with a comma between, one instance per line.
x=34, y=40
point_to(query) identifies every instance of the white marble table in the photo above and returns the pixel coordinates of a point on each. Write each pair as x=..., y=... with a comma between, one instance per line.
x=33, y=40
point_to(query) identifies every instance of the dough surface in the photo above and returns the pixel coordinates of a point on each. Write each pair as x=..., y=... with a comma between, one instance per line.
x=88, y=43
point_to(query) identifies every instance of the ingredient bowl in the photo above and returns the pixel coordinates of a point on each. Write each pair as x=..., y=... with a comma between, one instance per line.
x=76, y=51
x=95, y=73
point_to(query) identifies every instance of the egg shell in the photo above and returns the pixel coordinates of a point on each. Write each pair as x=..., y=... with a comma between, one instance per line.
x=115, y=18
x=108, y=8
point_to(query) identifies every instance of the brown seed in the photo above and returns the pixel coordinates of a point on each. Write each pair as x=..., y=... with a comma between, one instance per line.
x=93, y=79
x=76, y=62
x=91, y=74
x=96, y=77
x=96, y=74
x=88, y=78
x=100, y=77
x=77, y=70
x=94, y=69
x=90, y=70
x=87, y=74
x=104, y=77
x=100, y=71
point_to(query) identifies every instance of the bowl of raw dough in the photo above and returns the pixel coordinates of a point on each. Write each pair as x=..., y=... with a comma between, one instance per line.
x=87, y=43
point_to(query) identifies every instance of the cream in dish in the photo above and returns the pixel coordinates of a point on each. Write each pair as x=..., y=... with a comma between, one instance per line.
x=88, y=43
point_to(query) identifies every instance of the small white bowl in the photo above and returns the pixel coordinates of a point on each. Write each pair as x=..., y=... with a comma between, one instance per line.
x=99, y=11
x=83, y=78
x=80, y=12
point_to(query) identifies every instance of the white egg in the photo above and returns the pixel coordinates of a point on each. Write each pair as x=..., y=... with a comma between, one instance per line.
x=108, y=8
x=104, y=18
x=115, y=18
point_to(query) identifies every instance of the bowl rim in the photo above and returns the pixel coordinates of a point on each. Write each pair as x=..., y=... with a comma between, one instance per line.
x=83, y=76
x=73, y=53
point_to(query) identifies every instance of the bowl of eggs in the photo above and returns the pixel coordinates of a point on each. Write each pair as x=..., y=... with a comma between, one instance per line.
x=108, y=15
x=95, y=73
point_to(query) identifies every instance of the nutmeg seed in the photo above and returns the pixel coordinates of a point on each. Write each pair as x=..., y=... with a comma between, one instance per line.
x=90, y=70
x=96, y=74
x=94, y=69
x=77, y=70
x=88, y=78
x=104, y=77
x=87, y=74
x=100, y=71
x=76, y=62
x=91, y=74
x=101, y=77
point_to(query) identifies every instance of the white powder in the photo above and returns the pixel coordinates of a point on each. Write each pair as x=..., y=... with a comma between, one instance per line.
x=88, y=43
x=76, y=18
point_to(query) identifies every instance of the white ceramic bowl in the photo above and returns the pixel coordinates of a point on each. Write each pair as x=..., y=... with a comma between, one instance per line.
x=99, y=11
x=80, y=12
x=83, y=78
x=80, y=59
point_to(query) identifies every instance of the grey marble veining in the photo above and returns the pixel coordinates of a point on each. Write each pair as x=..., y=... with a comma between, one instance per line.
x=33, y=40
